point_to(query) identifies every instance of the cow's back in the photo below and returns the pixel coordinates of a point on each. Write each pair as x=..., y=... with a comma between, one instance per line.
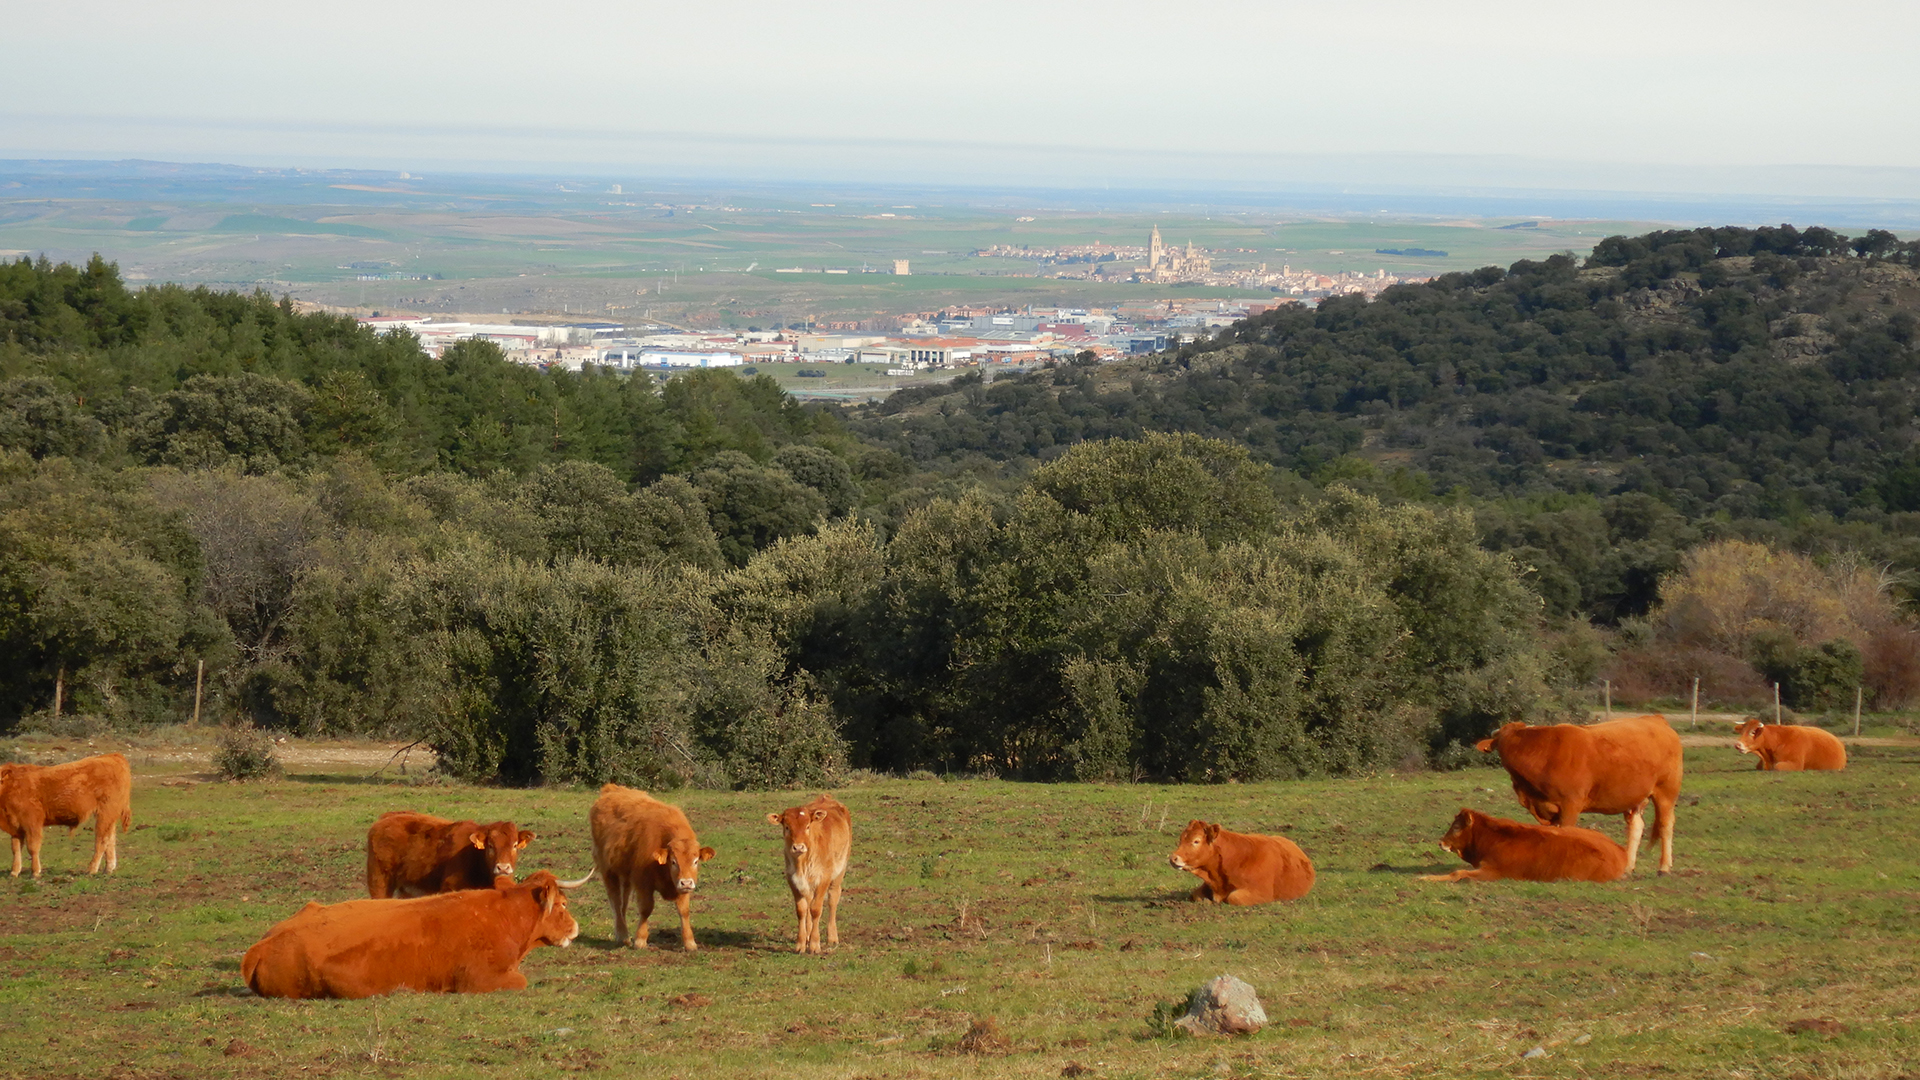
x=1609, y=768
x=1799, y=747
x=1272, y=866
x=1526, y=852
x=363, y=948
x=628, y=827
x=68, y=794
x=410, y=853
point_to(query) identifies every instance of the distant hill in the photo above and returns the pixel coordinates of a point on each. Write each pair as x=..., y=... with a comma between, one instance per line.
x=1725, y=375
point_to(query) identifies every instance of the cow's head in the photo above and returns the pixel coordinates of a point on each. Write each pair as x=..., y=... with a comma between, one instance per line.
x=804, y=827
x=501, y=843
x=1460, y=833
x=1195, y=848
x=1746, y=737
x=556, y=925
x=1487, y=745
x=682, y=857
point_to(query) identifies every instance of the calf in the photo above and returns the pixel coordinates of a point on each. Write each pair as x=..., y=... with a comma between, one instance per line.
x=467, y=942
x=1565, y=770
x=33, y=797
x=1499, y=850
x=642, y=846
x=418, y=854
x=1242, y=868
x=1790, y=747
x=818, y=838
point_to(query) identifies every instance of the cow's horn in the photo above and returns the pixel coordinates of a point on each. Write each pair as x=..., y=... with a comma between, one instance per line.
x=577, y=884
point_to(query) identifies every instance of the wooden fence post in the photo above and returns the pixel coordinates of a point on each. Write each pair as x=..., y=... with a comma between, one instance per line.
x=1776, y=703
x=59, y=689
x=1856, y=712
x=1608, y=683
x=1693, y=717
x=199, y=680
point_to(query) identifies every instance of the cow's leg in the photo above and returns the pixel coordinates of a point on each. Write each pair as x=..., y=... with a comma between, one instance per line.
x=1473, y=873
x=101, y=832
x=1663, y=824
x=813, y=920
x=803, y=912
x=833, y=915
x=35, y=833
x=684, y=901
x=1636, y=826
x=643, y=896
x=617, y=900
x=113, y=845
x=1202, y=893
x=16, y=855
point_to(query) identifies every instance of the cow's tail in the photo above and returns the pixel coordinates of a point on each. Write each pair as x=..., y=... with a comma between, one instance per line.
x=126, y=816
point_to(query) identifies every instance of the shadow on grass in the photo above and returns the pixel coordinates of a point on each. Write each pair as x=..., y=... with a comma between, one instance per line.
x=1182, y=895
x=667, y=939
x=1429, y=868
x=386, y=780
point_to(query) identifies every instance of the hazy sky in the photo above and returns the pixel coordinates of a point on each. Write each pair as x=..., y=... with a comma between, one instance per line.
x=1666, y=95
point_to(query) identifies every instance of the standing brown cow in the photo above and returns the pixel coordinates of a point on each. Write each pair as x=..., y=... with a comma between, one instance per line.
x=642, y=846
x=1500, y=850
x=818, y=838
x=1790, y=747
x=1565, y=770
x=1242, y=868
x=466, y=942
x=412, y=854
x=33, y=797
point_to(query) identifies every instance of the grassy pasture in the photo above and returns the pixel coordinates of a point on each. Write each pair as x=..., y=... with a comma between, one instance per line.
x=1049, y=908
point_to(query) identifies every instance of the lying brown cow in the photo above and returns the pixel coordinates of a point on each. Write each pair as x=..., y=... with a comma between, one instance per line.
x=33, y=797
x=642, y=846
x=1502, y=850
x=468, y=942
x=1242, y=868
x=1790, y=747
x=1566, y=770
x=418, y=854
x=818, y=838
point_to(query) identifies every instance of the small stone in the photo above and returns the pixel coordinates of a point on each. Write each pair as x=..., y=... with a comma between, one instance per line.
x=561, y=1033
x=1223, y=1006
x=1582, y=1040
x=1536, y=1052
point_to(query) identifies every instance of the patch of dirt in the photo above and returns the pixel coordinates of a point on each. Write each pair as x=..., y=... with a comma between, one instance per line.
x=690, y=1001
x=1817, y=1027
x=984, y=1037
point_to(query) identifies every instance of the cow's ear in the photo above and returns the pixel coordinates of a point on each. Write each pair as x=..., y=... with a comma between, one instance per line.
x=478, y=840
x=1484, y=746
x=819, y=815
x=706, y=854
x=544, y=894
x=527, y=836
x=773, y=819
x=1213, y=831
x=661, y=856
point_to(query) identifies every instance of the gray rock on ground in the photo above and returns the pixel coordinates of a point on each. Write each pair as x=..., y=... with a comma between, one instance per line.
x=1223, y=1006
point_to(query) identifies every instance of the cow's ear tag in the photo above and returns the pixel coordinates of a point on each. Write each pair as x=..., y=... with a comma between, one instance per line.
x=478, y=840
x=660, y=856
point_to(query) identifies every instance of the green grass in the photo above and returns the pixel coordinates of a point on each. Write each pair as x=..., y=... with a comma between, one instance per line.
x=1049, y=908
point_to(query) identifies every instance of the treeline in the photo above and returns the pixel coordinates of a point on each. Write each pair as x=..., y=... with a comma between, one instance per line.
x=1320, y=542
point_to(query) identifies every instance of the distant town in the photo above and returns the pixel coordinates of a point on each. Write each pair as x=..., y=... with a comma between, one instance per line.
x=923, y=341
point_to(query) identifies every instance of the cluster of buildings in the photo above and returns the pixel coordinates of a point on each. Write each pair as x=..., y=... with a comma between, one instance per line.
x=1161, y=263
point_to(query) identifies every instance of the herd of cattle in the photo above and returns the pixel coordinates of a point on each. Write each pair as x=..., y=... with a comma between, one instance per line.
x=445, y=913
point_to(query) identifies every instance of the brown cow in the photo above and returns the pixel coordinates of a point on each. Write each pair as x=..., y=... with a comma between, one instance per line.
x=1502, y=850
x=33, y=797
x=1566, y=770
x=1242, y=868
x=642, y=846
x=818, y=840
x=1790, y=747
x=412, y=854
x=467, y=942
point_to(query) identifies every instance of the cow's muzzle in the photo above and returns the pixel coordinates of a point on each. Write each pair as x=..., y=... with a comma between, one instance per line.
x=687, y=885
x=503, y=869
x=799, y=849
x=1176, y=862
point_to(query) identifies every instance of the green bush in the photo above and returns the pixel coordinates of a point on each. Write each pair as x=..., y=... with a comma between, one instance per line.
x=244, y=752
